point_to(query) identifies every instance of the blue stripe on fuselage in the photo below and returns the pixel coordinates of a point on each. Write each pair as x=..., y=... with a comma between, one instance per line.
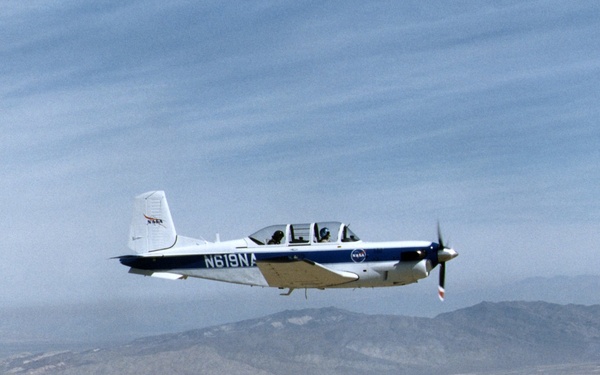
x=248, y=259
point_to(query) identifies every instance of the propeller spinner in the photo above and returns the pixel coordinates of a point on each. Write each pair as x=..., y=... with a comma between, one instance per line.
x=444, y=254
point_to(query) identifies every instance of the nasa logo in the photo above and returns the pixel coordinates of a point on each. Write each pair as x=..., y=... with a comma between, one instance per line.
x=153, y=220
x=358, y=255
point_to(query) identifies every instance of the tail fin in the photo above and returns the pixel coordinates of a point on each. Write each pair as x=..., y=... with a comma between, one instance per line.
x=152, y=226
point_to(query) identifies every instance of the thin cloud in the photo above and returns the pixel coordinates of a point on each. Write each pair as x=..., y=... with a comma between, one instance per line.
x=390, y=116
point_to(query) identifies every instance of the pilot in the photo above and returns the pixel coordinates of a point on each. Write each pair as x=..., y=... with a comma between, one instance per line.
x=276, y=238
x=325, y=234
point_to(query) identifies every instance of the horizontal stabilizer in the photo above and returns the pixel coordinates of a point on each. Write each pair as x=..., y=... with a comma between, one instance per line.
x=160, y=275
x=302, y=274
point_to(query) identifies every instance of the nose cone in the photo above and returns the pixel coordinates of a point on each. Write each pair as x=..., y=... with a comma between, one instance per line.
x=446, y=254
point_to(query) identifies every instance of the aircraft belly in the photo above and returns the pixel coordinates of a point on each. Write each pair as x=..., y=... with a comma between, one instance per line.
x=402, y=273
x=248, y=276
x=380, y=274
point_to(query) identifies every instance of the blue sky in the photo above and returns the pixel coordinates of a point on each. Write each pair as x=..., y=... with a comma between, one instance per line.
x=389, y=116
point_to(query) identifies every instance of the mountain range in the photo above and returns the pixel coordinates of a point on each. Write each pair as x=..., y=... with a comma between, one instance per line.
x=77, y=325
x=501, y=337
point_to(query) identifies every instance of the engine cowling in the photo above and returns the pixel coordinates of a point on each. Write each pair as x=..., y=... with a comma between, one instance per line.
x=409, y=272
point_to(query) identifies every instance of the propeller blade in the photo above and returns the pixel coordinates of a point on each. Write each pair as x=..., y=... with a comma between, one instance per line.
x=439, y=233
x=444, y=254
x=441, y=290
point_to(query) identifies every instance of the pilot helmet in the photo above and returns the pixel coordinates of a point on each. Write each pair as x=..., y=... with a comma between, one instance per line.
x=324, y=232
x=278, y=235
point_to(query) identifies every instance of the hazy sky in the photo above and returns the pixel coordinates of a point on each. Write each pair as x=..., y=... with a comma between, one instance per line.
x=386, y=115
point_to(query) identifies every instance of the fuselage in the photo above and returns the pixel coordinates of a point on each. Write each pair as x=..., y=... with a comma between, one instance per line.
x=375, y=263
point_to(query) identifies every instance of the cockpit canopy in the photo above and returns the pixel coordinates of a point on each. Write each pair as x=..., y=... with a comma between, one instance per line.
x=304, y=234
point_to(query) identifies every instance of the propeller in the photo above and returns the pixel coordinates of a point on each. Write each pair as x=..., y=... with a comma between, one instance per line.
x=444, y=254
x=441, y=290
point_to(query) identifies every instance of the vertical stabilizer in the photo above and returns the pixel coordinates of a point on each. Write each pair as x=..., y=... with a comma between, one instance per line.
x=152, y=226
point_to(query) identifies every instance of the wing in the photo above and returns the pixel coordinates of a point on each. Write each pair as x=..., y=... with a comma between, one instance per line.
x=302, y=274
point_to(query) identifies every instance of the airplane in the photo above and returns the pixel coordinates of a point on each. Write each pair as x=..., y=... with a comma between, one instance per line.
x=286, y=256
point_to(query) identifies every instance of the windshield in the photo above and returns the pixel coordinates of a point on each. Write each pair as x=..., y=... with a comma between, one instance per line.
x=348, y=235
